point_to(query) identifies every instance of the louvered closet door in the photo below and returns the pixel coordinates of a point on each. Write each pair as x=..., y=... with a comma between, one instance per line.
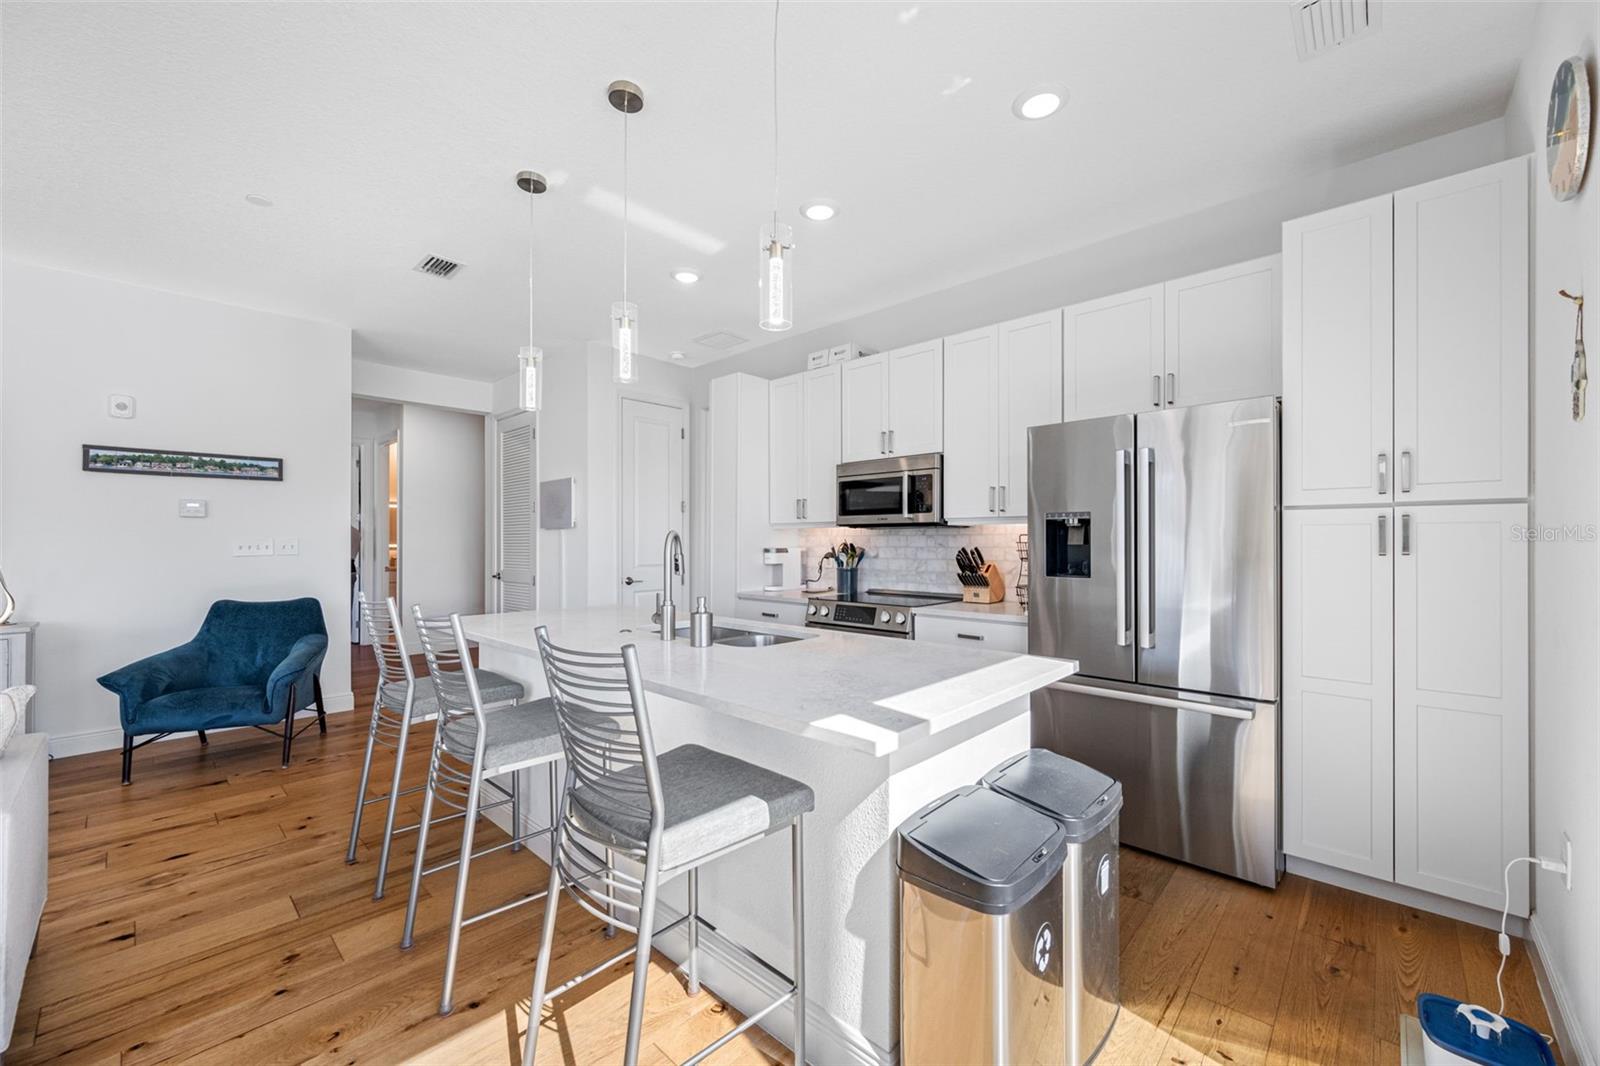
x=515, y=528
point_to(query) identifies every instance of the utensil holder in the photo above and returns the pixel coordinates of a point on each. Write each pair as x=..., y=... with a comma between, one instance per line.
x=986, y=586
x=845, y=582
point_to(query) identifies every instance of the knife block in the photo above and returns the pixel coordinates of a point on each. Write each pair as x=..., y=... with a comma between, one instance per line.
x=991, y=590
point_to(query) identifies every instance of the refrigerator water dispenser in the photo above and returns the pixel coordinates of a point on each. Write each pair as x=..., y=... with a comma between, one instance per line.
x=1066, y=544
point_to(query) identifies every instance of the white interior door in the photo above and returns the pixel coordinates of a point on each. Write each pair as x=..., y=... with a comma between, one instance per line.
x=515, y=527
x=653, y=500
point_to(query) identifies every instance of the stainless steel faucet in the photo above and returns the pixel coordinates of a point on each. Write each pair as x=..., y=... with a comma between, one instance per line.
x=666, y=610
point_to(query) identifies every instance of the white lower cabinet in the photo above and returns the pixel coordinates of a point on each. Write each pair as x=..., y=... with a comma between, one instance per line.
x=1405, y=700
x=1461, y=700
x=1338, y=688
x=762, y=610
x=976, y=632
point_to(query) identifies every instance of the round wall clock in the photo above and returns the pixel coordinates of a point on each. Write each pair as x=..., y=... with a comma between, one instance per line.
x=1566, y=144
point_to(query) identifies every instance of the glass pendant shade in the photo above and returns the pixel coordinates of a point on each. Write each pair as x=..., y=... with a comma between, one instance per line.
x=530, y=378
x=624, y=343
x=777, y=277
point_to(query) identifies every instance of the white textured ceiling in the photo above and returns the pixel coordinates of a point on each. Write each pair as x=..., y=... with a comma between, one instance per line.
x=387, y=132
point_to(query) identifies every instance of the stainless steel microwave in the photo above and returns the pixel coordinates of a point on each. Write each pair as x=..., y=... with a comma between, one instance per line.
x=905, y=490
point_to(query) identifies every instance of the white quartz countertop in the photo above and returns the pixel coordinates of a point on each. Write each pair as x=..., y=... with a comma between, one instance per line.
x=870, y=695
x=794, y=595
x=1007, y=611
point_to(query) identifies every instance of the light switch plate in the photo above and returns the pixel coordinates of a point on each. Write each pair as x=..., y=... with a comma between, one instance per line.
x=119, y=406
x=288, y=546
x=191, y=508
x=252, y=547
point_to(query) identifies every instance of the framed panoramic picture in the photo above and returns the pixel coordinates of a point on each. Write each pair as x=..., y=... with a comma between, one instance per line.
x=161, y=463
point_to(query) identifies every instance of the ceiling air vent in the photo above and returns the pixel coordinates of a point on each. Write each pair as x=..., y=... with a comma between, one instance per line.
x=720, y=340
x=1320, y=26
x=438, y=267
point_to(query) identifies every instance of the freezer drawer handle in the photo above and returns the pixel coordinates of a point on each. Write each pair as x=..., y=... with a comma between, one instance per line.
x=1244, y=714
x=1147, y=548
x=1119, y=546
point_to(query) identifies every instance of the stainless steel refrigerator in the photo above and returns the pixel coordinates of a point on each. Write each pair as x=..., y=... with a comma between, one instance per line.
x=1155, y=564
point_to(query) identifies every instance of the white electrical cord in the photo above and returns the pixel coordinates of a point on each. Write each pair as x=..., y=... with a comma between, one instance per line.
x=1505, y=914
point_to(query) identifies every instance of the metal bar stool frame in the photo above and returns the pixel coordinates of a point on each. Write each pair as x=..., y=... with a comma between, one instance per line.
x=458, y=783
x=605, y=732
x=393, y=711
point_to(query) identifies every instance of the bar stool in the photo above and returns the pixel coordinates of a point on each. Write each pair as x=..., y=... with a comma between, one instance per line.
x=470, y=748
x=671, y=814
x=398, y=702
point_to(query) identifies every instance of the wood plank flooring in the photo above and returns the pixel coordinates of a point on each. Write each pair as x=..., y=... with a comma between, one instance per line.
x=206, y=914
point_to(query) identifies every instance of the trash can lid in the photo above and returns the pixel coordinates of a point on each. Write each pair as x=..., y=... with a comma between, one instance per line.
x=1448, y=1027
x=980, y=849
x=1081, y=798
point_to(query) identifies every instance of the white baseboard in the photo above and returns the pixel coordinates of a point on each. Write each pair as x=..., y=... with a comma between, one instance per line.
x=63, y=745
x=1405, y=895
x=1557, y=999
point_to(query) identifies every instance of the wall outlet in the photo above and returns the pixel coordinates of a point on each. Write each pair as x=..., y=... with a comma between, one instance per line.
x=289, y=546
x=252, y=547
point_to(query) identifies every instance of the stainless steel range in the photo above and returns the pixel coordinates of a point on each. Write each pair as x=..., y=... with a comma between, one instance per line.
x=885, y=611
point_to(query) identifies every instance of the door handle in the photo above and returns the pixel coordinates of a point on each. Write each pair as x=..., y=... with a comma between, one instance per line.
x=991, y=499
x=1155, y=380
x=1383, y=535
x=1405, y=470
x=1147, y=548
x=495, y=575
x=1383, y=473
x=1172, y=387
x=627, y=581
x=1119, y=545
x=1405, y=534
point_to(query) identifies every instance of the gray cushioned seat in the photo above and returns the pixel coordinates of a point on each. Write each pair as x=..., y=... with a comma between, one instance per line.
x=518, y=736
x=493, y=687
x=712, y=801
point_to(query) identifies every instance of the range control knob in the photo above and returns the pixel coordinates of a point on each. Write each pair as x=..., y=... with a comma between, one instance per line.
x=823, y=611
x=899, y=618
x=883, y=616
x=811, y=609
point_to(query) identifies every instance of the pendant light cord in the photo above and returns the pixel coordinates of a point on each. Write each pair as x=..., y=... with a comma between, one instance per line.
x=625, y=205
x=775, y=6
x=530, y=272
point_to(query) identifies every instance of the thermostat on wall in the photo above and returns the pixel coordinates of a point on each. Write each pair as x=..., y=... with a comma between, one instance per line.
x=119, y=406
x=191, y=508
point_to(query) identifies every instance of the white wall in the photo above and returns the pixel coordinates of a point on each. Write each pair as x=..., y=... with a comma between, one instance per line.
x=1217, y=236
x=441, y=510
x=102, y=561
x=1566, y=577
x=395, y=384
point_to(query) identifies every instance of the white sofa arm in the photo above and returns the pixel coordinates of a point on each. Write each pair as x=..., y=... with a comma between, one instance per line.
x=24, y=854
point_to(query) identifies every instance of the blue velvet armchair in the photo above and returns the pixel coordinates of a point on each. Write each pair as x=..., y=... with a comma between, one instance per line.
x=251, y=664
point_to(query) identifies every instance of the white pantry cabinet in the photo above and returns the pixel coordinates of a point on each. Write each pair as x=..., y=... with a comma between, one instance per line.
x=1405, y=349
x=804, y=447
x=739, y=524
x=893, y=402
x=1114, y=349
x=1338, y=688
x=1461, y=700
x=1224, y=333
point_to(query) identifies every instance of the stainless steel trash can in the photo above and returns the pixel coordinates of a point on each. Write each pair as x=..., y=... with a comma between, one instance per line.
x=1085, y=802
x=980, y=916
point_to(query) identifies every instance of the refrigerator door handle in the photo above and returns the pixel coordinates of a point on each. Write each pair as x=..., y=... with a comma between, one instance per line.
x=1146, y=553
x=1119, y=545
x=1152, y=700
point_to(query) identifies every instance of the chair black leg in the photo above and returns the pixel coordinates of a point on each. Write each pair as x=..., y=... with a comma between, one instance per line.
x=203, y=740
x=322, y=712
x=288, y=727
x=127, y=758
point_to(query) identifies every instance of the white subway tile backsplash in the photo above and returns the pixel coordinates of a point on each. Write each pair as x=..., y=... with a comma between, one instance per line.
x=914, y=558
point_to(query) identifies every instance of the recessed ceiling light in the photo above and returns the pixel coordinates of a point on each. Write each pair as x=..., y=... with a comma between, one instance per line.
x=255, y=199
x=1038, y=103
x=685, y=277
x=675, y=355
x=819, y=210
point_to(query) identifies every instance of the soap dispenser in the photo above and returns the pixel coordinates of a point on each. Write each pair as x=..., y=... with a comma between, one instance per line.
x=700, y=624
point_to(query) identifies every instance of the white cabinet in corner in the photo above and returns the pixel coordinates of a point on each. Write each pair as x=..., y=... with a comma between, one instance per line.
x=783, y=612
x=803, y=447
x=975, y=632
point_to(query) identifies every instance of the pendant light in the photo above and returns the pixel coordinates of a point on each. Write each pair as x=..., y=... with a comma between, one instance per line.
x=626, y=97
x=530, y=361
x=775, y=275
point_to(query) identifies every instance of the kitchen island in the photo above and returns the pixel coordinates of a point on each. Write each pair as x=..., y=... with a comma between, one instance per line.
x=875, y=725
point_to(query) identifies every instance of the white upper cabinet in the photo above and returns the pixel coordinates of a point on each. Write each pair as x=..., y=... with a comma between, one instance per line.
x=916, y=399
x=1114, y=353
x=1461, y=336
x=865, y=407
x=1030, y=395
x=1224, y=333
x=1461, y=701
x=1338, y=308
x=804, y=447
x=971, y=425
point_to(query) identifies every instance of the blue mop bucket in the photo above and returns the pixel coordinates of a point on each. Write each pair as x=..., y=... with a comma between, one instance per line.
x=1458, y=1034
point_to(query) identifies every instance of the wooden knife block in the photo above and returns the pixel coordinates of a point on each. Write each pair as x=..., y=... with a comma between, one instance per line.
x=992, y=592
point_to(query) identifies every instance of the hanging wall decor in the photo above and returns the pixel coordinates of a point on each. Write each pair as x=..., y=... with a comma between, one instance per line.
x=1580, y=363
x=1566, y=144
x=163, y=463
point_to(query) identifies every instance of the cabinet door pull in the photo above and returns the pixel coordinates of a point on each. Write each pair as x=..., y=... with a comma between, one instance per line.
x=891, y=442
x=991, y=499
x=1155, y=381
x=805, y=508
x=1383, y=473
x=883, y=442
x=1002, y=499
x=1383, y=535
x=769, y=614
x=1405, y=470
x=1405, y=534
x=1172, y=388
x=970, y=636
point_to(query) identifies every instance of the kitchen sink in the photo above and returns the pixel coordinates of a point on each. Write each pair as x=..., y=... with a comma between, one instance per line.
x=740, y=639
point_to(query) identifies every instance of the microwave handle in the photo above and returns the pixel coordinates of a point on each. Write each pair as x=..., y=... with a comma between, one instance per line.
x=905, y=495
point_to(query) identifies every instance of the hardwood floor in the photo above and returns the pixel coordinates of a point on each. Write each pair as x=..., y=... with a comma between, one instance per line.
x=206, y=914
